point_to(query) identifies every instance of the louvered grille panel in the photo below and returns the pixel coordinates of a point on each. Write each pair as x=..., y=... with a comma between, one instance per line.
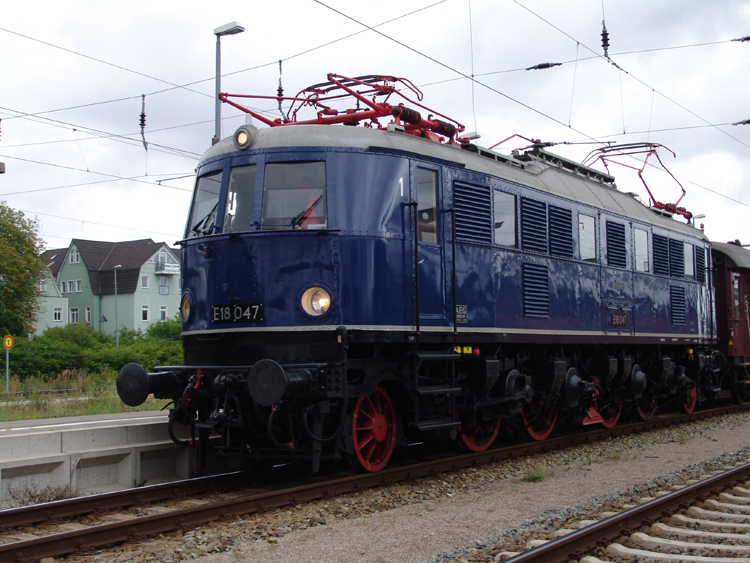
x=560, y=232
x=535, y=291
x=533, y=225
x=677, y=295
x=676, y=258
x=661, y=255
x=473, y=215
x=700, y=264
x=617, y=254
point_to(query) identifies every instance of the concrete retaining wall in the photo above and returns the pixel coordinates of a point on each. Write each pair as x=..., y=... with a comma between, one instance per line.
x=90, y=454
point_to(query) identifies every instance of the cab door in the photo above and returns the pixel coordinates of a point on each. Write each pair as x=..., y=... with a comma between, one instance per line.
x=431, y=248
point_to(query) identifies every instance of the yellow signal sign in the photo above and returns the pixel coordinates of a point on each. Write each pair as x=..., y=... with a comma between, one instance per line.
x=8, y=342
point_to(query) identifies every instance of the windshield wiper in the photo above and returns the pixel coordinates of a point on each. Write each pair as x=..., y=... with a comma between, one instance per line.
x=300, y=218
x=206, y=230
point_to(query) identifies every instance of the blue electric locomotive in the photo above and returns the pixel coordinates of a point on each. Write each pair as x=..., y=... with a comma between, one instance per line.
x=347, y=287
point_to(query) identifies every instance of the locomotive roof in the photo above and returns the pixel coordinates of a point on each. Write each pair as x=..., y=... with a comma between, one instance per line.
x=540, y=170
x=740, y=256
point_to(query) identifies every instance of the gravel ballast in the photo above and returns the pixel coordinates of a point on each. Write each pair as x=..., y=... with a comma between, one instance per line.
x=466, y=514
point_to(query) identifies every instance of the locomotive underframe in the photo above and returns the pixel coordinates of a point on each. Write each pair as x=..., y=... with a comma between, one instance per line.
x=475, y=381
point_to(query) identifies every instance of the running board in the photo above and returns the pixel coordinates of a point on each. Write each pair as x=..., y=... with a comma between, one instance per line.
x=437, y=424
x=438, y=390
x=425, y=356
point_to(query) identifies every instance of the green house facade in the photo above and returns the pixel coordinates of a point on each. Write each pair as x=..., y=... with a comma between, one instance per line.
x=130, y=284
x=53, y=307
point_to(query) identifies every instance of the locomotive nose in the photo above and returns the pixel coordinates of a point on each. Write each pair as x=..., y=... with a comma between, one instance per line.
x=133, y=385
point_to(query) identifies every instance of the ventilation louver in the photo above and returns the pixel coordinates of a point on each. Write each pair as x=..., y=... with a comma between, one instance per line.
x=535, y=291
x=473, y=215
x=617, y=254
x=533, y=225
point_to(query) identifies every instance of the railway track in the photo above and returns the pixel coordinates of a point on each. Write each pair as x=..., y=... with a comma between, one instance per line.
x=50, y=530
x=706, y=522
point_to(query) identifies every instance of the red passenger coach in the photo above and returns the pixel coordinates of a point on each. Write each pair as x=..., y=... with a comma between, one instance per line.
x=732, y=267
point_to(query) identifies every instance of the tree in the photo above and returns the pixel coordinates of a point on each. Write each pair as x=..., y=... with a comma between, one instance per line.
x=21, y=268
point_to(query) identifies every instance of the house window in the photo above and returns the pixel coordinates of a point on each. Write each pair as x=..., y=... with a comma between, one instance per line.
x=79, y=286
x=88, y=315
x=74, y=256
x=74, y=316
x=62, y=287
x=144, y=313
x=144, y=282
x=57, y=314
x=163, y=285
x=42, y=286
x=71, y=286
x=163, y=313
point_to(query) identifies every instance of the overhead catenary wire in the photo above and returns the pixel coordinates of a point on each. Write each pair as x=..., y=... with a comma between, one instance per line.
x=629, y=74
x=115, y=176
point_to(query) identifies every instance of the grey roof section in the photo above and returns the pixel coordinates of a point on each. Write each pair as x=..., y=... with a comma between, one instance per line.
x=536, y=173
x=100, y=258
x=740, y=256
x=54, y=258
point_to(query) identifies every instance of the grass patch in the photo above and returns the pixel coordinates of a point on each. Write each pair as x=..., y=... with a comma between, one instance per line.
x=70, y=393
x=27, y=495
x=537, y=472
x=614, y=455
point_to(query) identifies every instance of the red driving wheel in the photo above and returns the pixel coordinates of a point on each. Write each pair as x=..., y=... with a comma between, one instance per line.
x=647, y=409
x=539, y=423
x=610, y=412
x=691, y=398
x=477, y=435
x=374, y=430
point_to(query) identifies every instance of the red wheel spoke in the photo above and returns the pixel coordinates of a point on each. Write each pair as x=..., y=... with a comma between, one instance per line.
x=690, y=400
x=373, y=430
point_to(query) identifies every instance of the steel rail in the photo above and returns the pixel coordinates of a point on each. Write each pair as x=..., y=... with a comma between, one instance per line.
x=68, y=508
x=138, y=528
x=575, y=545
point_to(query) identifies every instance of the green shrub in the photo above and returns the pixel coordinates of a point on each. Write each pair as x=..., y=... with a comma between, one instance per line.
x=80, y=348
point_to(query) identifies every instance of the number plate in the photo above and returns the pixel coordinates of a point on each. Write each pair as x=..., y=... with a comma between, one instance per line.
x=619, y=319
x=237, y=313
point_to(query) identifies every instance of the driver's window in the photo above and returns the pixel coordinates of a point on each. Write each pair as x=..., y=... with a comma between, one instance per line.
x=238, y=217
x=294, y=196
x=427, y=207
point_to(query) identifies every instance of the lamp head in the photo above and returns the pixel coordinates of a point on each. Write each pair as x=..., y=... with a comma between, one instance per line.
x=230, y=28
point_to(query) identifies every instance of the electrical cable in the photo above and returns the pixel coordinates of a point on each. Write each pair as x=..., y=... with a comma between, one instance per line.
x=131, y=179
x=629, y=74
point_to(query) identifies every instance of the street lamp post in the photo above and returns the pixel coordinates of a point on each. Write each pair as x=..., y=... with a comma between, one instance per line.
x=117, y=326
x=231, y=28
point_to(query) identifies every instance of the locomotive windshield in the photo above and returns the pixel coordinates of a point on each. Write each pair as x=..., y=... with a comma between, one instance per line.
x=294, y=196
x=241, y=193
x=205, y=204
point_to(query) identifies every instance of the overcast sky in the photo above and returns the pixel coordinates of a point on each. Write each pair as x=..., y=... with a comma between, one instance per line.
x=73, y=74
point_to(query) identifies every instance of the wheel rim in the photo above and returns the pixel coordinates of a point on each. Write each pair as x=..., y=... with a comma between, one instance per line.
x=539, y=425
x=374, y=430
x=690, y=400
x=647, y=409
x=476, y=435
x=610, y=413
